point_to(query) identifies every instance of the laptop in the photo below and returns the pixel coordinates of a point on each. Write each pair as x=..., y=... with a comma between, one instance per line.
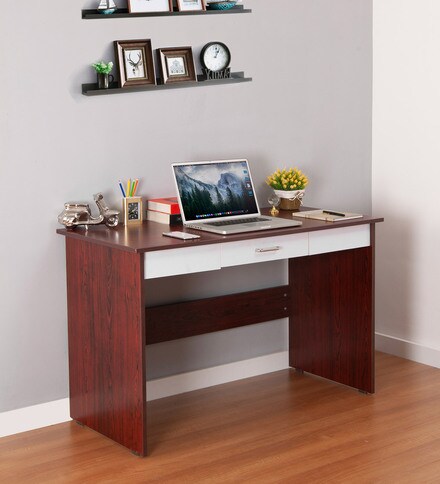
x=219, y=197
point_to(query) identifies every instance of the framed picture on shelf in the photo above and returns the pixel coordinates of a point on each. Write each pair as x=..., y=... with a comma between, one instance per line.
x=132, y=208
x=177, y=64
x=145, y=6
x=190, y=5
x=135, y=62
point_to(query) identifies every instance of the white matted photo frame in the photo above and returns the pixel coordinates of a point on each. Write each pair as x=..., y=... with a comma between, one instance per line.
x=190, y=5
x=134, y=59
x=145, y=6
x=177, y=64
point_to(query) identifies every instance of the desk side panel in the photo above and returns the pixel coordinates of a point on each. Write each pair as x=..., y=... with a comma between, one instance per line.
x=107, y=341
x=331, y=325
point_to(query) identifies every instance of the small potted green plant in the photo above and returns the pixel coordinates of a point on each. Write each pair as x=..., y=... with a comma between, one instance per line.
x=289, y=186
x=103, y=74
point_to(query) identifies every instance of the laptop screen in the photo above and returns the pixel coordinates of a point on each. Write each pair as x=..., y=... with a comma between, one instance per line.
x=215, y=189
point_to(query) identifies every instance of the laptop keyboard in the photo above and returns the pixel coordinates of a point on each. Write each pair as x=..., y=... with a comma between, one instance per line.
x=239, y=221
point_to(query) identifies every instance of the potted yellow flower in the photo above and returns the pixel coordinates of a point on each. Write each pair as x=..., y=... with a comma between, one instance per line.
x=289, y=187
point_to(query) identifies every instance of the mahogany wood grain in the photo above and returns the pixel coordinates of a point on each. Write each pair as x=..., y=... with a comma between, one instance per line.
x=106, y=320
x=148, y=236
x=331, y=327
x=331, y=324
x=174, y=321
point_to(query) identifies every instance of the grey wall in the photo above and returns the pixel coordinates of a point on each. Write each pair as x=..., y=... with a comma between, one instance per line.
x=405, y=133
x=309, y=105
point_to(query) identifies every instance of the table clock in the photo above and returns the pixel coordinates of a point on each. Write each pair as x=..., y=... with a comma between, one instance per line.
x=215, y=58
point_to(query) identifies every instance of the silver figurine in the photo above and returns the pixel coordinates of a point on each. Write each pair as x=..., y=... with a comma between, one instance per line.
x=111, y=217
x=75, y=214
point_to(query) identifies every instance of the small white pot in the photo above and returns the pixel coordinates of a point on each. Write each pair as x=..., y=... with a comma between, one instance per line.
x=290, y=199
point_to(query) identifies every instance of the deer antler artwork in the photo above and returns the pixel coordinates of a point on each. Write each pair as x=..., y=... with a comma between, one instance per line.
x=135, y=64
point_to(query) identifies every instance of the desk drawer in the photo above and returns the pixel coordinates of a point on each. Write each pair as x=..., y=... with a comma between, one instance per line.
x=173, y=262
x=343, y=238
x=265, y=249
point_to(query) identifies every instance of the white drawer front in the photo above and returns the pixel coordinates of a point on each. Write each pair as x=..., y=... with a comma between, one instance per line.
x=265, y=249
x=342, y=238
x=182, y=261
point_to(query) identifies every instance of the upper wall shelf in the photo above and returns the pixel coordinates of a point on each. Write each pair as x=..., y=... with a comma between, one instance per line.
x=123, y=13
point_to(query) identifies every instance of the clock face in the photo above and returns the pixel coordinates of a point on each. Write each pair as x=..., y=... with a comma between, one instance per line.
x=215, y=56
x=133, y=211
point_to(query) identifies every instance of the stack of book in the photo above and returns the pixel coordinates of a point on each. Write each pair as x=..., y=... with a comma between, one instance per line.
x=164, y=211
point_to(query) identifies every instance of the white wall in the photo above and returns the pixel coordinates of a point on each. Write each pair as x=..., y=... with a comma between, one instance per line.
x=406, y=153
x=309, y=105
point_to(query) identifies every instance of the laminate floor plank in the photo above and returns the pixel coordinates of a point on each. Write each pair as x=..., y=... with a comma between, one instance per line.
x=281, y=427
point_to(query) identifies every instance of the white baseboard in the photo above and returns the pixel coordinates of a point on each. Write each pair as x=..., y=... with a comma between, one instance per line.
x=34, y=417
x=408, y=349
x=51, y=413
x=194, y=380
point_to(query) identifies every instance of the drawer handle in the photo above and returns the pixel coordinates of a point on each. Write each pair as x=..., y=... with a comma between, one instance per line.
x=268, y=249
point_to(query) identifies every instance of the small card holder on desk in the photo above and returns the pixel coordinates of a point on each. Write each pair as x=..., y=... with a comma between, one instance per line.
x=132, y=210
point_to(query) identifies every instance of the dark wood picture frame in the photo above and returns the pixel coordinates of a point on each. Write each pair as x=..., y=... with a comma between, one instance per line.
x=184, y=70
x=133, y=8
x=141, y=71
x=180, y=6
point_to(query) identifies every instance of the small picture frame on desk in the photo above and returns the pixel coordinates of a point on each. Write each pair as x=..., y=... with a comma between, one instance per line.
x=177, y=64
x=132, y=210
x=135, y=62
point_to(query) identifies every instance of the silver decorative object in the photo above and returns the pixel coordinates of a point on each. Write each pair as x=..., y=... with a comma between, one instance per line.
x=111, y=217
x=75, y=214
x=107, y=7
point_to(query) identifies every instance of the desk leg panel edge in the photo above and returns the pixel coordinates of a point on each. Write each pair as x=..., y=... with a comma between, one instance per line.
x=106, y=329
x=331, y=325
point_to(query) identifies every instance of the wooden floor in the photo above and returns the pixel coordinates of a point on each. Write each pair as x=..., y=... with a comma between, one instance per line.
x=281, y=427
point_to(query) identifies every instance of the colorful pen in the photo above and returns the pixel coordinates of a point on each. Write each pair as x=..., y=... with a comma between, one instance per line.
x=122, y=188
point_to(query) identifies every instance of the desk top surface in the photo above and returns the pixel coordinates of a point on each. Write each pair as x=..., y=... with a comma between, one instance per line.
x=147, y=237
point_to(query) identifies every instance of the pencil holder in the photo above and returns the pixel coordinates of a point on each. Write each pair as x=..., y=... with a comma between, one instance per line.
x=132, y=210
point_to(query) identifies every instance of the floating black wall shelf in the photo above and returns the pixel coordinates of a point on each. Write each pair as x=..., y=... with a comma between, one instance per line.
x=123, y=13
x=92, y=89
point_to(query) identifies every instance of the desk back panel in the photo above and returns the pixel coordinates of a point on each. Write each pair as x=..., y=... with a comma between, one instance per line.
x=181, y=320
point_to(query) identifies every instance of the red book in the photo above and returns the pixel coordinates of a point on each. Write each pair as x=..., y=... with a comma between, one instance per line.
x=165, y=205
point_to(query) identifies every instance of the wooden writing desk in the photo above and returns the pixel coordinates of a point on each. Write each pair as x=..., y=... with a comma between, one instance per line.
x=328, y=300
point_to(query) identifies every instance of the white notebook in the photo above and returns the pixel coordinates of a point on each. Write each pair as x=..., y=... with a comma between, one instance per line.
x=327, y=215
